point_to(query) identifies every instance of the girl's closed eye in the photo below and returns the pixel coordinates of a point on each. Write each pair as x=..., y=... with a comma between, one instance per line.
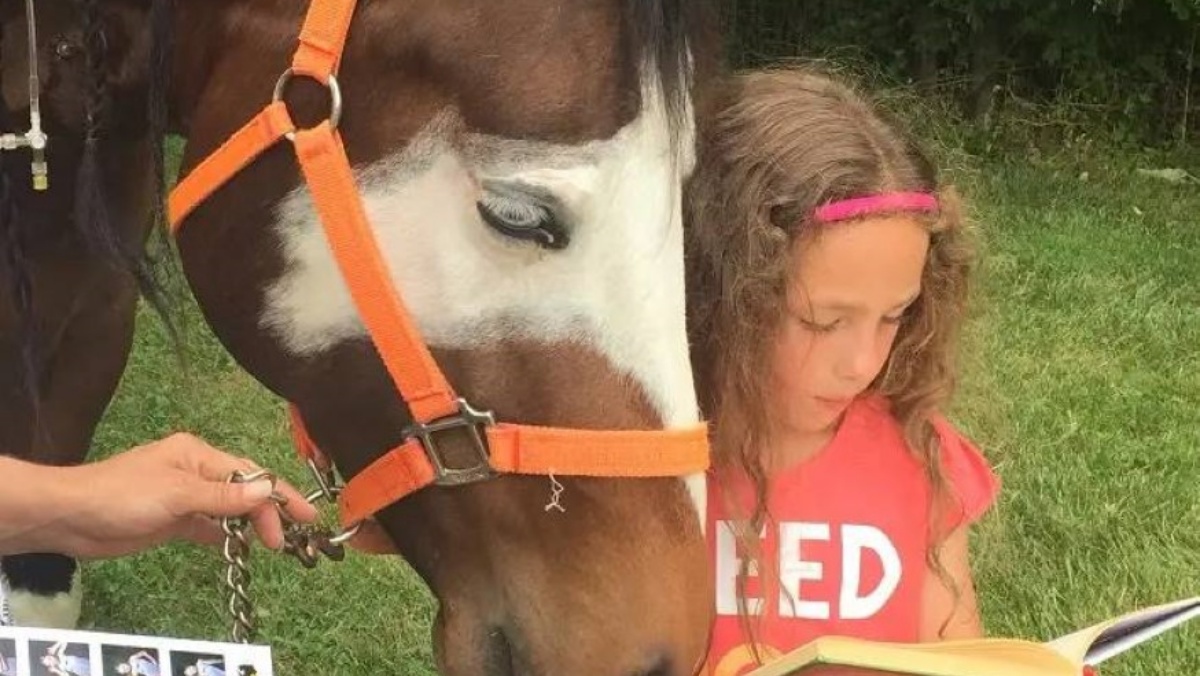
x=820, y=327
x=808, y=320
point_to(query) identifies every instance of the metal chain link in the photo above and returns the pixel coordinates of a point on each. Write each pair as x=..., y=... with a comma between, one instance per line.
x=303, y=541
x=237, y=574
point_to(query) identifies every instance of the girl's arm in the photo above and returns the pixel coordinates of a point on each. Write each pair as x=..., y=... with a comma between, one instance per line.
x=944, y=615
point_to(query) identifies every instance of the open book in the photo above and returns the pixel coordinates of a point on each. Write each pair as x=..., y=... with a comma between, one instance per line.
x=1065, y=656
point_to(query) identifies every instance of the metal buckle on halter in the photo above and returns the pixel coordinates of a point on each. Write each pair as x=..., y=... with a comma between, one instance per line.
x=335, y=96
x=469, y=419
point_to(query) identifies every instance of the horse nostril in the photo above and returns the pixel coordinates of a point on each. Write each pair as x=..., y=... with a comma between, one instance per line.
x=661, y=667
x=499, y=654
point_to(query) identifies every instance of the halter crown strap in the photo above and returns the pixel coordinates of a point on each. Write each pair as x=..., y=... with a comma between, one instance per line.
x=417, y=462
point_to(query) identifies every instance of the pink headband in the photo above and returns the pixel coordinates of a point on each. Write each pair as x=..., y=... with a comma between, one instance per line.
x=842, y=210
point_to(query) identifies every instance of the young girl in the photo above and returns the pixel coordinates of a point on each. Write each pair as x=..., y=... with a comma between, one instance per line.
x=828, y=275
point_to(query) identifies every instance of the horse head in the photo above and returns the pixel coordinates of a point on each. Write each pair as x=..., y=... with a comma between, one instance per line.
x=515, y=170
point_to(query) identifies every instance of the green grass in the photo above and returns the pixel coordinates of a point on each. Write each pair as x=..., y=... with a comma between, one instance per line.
x=1083, y=387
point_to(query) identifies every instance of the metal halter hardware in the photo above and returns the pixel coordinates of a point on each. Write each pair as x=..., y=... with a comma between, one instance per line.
x=335, y=97
x=34, y=139
x=470, y=419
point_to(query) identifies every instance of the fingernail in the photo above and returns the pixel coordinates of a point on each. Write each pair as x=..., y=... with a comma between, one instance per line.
x=258, y=490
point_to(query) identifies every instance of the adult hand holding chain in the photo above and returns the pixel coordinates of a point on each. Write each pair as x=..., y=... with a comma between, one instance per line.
x=176, y=488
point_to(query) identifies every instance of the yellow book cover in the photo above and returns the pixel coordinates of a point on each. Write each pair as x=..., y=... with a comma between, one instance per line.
x=1065, y=656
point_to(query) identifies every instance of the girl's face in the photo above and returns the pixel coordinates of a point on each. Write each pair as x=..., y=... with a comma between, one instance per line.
x=850, y=288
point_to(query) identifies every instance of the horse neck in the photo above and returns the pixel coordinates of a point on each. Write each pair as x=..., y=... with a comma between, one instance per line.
x=195, y=34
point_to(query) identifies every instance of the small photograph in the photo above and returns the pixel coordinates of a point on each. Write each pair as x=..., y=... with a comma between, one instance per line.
x=59, y=658
x=197, y=664
x=122, y=660
x=8, y=657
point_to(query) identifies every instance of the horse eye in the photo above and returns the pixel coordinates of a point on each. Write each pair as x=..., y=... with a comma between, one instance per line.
x=65, y=50
x=516, y=213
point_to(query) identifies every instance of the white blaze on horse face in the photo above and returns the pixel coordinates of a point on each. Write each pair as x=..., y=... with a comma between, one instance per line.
x=616, y=288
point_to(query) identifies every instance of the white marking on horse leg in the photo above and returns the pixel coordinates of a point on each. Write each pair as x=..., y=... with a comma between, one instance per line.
x=54, y=611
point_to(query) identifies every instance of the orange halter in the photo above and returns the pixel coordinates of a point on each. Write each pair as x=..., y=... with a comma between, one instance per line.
x=417, y=462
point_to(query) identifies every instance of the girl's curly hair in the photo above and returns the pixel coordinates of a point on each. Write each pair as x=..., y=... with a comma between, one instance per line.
x=773, y=146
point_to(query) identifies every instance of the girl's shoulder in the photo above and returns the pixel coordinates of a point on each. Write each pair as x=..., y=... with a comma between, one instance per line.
x=968, y=476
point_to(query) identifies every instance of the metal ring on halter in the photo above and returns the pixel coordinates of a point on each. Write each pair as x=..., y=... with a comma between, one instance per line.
x=335, y=96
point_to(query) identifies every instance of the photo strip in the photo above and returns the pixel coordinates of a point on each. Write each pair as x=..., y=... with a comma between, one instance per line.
x=54, y=652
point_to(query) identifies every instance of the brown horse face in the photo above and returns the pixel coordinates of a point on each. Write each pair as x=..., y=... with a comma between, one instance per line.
x=518, y=168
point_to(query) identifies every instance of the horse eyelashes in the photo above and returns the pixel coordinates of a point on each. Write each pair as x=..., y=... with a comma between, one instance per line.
x=523, y=213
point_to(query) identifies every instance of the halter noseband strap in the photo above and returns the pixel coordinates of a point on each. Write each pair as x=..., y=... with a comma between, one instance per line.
x=417, y=462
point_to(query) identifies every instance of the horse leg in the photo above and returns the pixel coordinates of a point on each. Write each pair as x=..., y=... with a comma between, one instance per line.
x=79, y=380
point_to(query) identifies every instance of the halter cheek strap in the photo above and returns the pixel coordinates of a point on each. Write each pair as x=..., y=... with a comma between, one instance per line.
x=872, y=205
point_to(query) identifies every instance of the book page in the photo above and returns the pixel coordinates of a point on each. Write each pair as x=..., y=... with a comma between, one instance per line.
x=843, y=656
x=1103, y=641
x=26, y=651
x=838, y=670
